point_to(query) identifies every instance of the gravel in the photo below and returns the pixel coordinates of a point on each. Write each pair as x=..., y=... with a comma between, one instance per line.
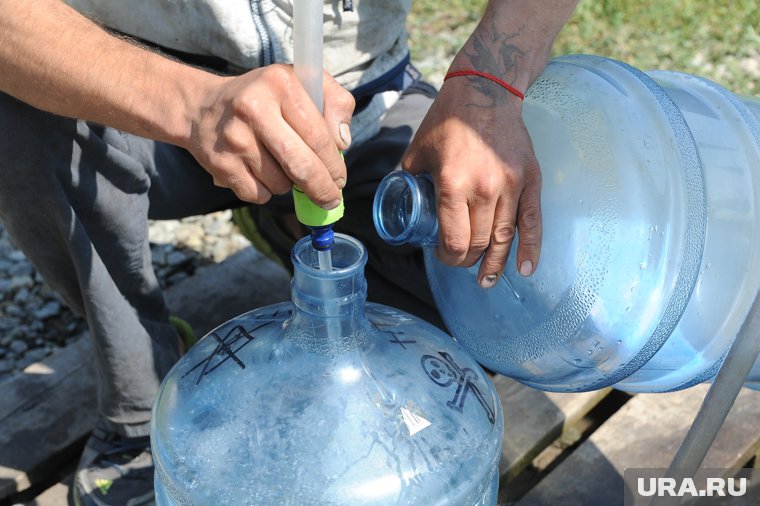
x=33, y=320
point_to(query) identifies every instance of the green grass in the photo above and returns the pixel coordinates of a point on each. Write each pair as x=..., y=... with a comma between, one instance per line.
x=717, y=39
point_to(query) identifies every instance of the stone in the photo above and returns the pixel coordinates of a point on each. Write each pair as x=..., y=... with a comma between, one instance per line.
x=49, y=310
x=18, y=346
x=19, y=282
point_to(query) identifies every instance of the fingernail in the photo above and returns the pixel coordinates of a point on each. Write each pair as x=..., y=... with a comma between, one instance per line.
x=345, y=133
x=340, y=182
x=526, y=268
x=488, y=281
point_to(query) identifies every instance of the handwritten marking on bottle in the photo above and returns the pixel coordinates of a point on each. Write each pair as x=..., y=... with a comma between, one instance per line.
x=399, y=340
x=444, y=372
x=226, y=348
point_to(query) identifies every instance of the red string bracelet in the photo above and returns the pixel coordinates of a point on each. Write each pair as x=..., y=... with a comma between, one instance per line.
x=514, y=91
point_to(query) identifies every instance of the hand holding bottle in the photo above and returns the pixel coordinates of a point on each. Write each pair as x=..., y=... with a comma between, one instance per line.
x=487, y=179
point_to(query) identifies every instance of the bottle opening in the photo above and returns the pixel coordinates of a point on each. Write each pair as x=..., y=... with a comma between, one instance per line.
x=397, y=207
x=348, y=256
x=338, y=293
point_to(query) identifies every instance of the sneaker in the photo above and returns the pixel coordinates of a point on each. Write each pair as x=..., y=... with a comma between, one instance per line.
x=114, y=471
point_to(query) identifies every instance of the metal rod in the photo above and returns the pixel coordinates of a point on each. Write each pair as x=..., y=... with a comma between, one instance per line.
x=719, y=399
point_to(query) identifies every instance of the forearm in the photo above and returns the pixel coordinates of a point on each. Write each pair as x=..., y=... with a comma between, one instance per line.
x=58, y=60
x=514, y=39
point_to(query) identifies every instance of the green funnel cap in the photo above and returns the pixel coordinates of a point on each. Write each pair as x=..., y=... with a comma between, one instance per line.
x=310, y=214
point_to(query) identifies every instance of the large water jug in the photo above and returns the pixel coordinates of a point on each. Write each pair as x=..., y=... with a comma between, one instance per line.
x=650, y=258
x=326, y=400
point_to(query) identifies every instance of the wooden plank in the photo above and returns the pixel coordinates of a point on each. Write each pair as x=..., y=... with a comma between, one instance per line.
x=645, y=433
x=40, y=377
x=54, y=496
x=43, y=412
x=534, y=419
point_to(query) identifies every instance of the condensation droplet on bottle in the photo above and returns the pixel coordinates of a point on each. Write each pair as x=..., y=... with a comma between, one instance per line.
x=619, y=341
x=642, y=266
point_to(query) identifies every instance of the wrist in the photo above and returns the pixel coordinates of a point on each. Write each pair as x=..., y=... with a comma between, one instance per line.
x=485, y=75
x=513, y=40
x=191, y=93
x=519, y=69
x=170, y=101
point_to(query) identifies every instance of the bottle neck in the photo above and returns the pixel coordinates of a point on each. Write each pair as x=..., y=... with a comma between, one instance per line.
x=329, y=304
x=404, y=209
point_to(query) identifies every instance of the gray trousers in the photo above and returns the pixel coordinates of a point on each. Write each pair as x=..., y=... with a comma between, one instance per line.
x=76, y=198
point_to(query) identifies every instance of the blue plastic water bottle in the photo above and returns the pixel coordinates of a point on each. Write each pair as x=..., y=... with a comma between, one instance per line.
x=650, y=258
x=327, y=400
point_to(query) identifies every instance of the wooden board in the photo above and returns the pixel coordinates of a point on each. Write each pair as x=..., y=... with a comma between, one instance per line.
x=54, y=496
x=645, y=433
x=534, y=419
x=45, y=411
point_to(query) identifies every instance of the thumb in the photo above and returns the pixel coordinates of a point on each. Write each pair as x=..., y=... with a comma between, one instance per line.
x=339, y=107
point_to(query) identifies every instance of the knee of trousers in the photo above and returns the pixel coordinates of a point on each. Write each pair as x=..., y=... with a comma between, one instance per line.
x=33, y=208
x=31, y=140
x=33, y=145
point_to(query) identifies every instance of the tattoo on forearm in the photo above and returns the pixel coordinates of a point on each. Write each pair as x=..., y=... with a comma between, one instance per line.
x=495, y=53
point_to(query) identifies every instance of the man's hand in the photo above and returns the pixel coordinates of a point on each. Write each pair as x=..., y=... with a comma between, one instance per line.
x=255, y=133
x=487, y=179
x=474, y=142
x=259, y=133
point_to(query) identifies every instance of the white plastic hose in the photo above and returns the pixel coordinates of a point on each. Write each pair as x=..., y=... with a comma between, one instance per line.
x=307, y=47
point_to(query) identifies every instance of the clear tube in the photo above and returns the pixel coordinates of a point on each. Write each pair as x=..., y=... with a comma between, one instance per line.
x=307, y=48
